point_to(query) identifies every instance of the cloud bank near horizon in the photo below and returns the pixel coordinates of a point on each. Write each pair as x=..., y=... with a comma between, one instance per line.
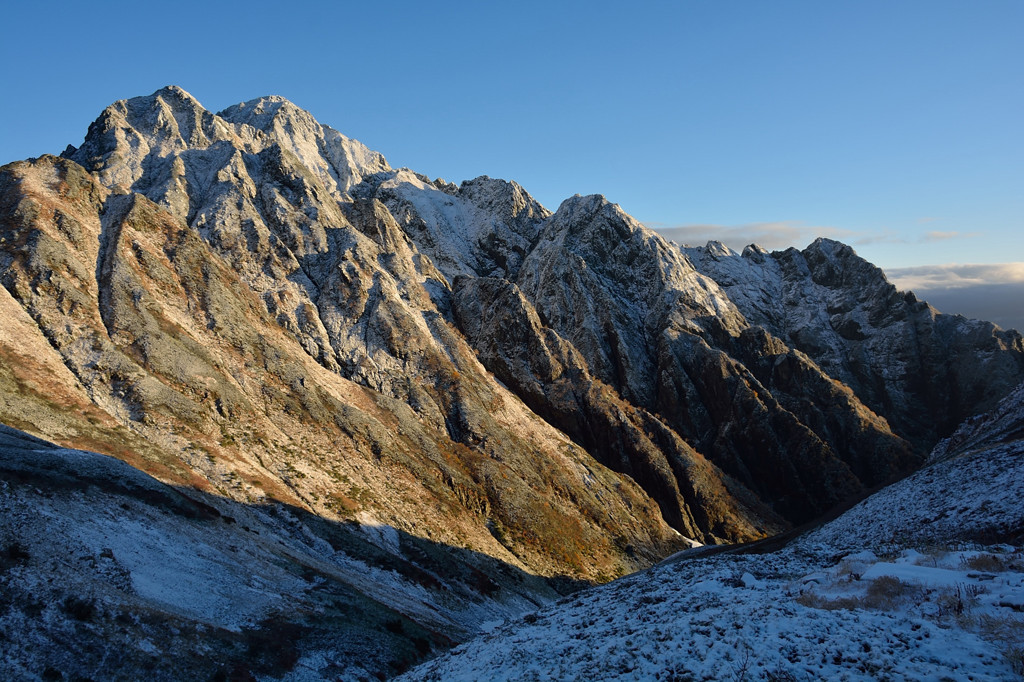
x=786, y=233
x=956, y=276
x=993, y=292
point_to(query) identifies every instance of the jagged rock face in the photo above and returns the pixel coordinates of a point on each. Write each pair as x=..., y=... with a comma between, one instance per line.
x=670, y=341
x=925, y=371
x=174, y=335
x=551, y=376
x=251, y=305
x=484, y=227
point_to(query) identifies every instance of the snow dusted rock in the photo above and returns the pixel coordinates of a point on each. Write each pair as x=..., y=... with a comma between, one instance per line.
x=170, y=136
x=484, y=227
x=552, y=378
x=916, y=582
x=670, y=341
x=926, y=372
x=254, y=307
x=340, y=162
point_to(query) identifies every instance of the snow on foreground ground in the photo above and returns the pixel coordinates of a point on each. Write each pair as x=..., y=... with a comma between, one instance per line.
x=897, y=588
x=781, y=616
x=108, y=574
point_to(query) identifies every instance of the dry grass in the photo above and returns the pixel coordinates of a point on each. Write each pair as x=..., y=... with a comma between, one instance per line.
x=882, y=594
x=993, y=563
x=816, y=601
x=885, y=591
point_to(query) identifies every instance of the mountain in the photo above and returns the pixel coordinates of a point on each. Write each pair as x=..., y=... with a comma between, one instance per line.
x=922, y=580
x=108, y=573
x=925, y=371
x=261, y=313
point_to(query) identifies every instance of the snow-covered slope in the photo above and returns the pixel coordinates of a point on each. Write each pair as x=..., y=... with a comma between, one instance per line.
x=256, y=309
x=970, y=491
x=924, y=580
x=911, y=616
x=106, y=573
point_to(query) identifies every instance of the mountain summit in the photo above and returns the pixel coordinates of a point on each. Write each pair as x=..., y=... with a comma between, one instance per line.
x=261, y=313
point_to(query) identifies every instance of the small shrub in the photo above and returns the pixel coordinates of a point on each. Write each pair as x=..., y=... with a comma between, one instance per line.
x=986, y=563
x=950, y=603
x=1015, y=657
x=884, y=592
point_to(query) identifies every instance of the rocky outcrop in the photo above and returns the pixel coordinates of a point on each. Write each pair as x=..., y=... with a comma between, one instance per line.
x=552, y=378
x=925, y=371
x=254, y=307
x=671, y=341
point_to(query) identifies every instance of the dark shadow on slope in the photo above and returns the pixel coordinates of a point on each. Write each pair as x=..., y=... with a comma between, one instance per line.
x=347, y=598
x=781, y=540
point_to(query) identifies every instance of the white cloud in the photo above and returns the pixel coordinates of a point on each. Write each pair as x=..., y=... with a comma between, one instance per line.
x=937, y=236
x=955, y=275
x=984, y=292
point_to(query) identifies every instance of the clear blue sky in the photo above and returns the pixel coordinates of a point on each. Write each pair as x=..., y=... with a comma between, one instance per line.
x=896, y=125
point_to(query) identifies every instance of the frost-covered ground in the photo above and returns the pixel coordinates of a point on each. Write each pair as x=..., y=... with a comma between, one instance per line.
x=923, y=580
x=105, y=573
x=786, y=616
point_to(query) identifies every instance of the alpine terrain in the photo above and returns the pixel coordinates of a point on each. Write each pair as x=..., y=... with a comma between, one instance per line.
x=923, y=580
x=273, y=409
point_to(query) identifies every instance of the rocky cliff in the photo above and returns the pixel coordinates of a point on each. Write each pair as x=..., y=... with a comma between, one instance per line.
x=252, y=306
x=925, y=371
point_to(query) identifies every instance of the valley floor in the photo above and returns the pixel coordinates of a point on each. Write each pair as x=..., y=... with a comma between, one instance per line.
x=945, y=613
x=900, y=587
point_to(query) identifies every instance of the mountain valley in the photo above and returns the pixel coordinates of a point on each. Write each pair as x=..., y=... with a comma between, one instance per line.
x=276, y=410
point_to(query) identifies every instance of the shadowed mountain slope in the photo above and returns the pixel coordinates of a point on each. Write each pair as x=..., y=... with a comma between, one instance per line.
x=925, y=371
x=252, y=306
x=922, y=580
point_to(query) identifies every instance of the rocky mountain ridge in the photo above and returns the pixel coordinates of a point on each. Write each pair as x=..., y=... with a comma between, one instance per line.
x=922, y=580
x=925, y=371
x=253, y=306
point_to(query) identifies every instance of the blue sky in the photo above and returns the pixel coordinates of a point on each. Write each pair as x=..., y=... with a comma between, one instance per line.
x=896, y=126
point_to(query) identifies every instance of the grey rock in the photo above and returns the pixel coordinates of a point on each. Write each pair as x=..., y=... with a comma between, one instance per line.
x=924, y=371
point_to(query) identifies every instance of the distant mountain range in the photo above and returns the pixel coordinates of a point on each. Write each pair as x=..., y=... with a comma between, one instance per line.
x=432, y=405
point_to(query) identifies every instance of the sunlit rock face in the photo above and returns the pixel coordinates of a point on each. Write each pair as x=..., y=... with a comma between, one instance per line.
x=261, y=312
